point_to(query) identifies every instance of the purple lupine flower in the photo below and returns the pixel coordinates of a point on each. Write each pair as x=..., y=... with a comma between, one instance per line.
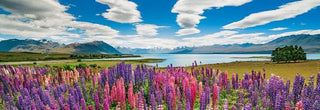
x=153, y=102
x=20, y=103
x=207, y=95
x=83, y=104
x=318, y=79
x=78, y=92
x=96, y=101
x=61, y=101
x=71, y=102
x=159, y=98
x=84, y=92
x=187, y=106
x=169, y=101
x=280, y=101
x=202, y=101
x=225, y=105
x=307, y=97
x=254, y=98
x=257, y=107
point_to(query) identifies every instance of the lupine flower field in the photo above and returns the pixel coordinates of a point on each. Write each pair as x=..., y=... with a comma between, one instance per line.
x=124, y=87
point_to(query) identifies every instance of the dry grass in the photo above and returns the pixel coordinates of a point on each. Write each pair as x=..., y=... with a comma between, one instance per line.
x=285, y=71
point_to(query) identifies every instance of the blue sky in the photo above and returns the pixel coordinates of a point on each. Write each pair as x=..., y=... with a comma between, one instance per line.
x=158, y=23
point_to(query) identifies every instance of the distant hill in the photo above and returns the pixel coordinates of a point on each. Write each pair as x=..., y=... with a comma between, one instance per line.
x=310, y=43
x=46, y=46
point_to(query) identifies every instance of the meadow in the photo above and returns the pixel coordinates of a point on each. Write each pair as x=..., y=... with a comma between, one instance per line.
x=125, y=86
x=30, y=56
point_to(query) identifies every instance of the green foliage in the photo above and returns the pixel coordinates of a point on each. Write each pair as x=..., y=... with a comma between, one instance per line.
x=288, y=53
x=93, y=65
x=82, y=65
x=67, y=67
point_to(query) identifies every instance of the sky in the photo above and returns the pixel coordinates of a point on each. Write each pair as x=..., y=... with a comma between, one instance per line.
x=158, y=23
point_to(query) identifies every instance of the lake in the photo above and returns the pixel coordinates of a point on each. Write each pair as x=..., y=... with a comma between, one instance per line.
x=187, y=59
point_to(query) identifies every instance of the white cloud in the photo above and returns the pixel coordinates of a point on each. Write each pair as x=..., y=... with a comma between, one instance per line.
x=190, y=11
x=91, y=29
x=224, y=37
x=187, y=31
x=307, y=31
x=279, y=29
x=286, y=11
x=46, y=19
x=147, y=29
x=122, y=11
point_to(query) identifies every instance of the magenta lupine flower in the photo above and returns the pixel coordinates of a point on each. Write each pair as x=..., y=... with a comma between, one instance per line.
x=90, y=107
x=247, y=107
x=234, y=107
x=33, y=105
x=105, y=104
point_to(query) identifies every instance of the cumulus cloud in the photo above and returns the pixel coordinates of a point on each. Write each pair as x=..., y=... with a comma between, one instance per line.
x=190, y=11
x=279, y=29
x=122, y=11
x=46, y=19
x=148, y=29
x=286, y=11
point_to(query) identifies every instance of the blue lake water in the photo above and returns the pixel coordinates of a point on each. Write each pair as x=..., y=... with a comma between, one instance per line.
x=187, y=59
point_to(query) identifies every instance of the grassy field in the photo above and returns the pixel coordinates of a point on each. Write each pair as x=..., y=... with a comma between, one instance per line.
x=74, y=63
x=28, y=56
x=286, y=71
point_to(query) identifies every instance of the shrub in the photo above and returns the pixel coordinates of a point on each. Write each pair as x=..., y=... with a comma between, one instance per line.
x=288, y=53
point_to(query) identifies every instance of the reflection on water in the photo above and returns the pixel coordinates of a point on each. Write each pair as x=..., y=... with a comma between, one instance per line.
x=187, y=59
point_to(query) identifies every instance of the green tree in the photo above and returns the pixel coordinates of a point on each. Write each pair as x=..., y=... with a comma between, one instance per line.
x=288, y=53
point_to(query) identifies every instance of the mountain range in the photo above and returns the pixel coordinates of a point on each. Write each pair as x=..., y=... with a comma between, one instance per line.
x=310, y=43
x=46, y=46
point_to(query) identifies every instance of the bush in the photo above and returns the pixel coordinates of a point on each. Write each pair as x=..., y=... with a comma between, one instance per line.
x=67, y=67
x=288, y=53
x=82, y=65
x=93, y=65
